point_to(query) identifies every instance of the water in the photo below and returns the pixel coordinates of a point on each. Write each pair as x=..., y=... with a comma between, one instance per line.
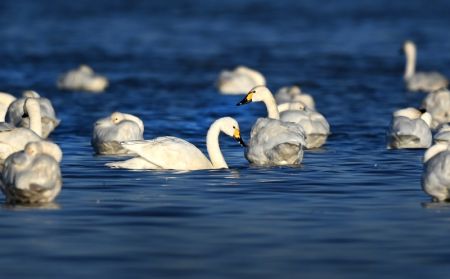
x=352, y=209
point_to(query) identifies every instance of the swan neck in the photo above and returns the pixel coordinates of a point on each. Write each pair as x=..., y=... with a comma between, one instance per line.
x=212, y=145
x=410, y=63
x=34, y=113
x=271, y=105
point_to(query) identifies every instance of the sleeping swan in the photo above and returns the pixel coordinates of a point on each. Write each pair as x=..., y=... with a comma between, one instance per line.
x=239, y=80
x=410, y=128
x=421, y=81
x=110, y=131
x=289, y=94
x=443, y=134
x=5, y=100
x=177, y=154
x=272, y=141
x=32, y=175
x=436, y=171
x=17, y=116
x=13, y=139
x=437, y=103
x=83, y=79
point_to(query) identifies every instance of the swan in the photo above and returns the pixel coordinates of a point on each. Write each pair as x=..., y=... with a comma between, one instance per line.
x=443, y=134
x=110, y=131
x=437, y=103
x=421, y=81
x=83, y=79
x=239, y=80
x=13, y=139
x=5, y=100
x=315, y=124
x=272, y=141
x=436, y=171
x=177, y=154
x=16, y=116
x=410, y=128
x=293, y=93
x=32, y=175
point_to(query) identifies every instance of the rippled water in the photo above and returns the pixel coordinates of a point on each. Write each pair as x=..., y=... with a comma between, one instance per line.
x=352, y=209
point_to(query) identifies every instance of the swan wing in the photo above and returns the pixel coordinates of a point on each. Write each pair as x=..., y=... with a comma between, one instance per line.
x=169, y=153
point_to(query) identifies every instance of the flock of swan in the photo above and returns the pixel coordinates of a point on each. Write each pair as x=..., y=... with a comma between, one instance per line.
x=30, y=170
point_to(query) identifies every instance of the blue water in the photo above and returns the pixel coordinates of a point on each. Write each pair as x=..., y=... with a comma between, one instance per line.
x=352, y=209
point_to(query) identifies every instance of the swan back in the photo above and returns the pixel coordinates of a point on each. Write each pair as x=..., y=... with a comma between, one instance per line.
x=5, y=100
x=239, y=80
x=436, y=172
x=293, y=93
x=407, y=132
x=437, y=103
x=83, y=79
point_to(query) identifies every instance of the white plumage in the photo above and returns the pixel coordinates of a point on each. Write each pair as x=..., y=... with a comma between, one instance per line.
x=443, y=134
x=5, y=100
x=84, y=79
x=410, y=128
x=437, y=103
x=290, y=94
x=436, y=172
x=32, y=175
x=239, y=80
x=110, y=131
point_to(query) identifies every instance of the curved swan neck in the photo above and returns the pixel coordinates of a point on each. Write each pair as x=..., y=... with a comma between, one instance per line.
x=410, y=62
x=34, y=112
x=212, y=145
x=271, y=105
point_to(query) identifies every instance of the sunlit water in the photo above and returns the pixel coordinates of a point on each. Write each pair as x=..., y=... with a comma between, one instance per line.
x=352, y=209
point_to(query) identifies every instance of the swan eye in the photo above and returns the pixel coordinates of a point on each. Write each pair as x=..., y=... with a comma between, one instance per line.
x=234, y=127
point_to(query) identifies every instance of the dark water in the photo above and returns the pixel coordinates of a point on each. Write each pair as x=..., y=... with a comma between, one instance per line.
x=352, y=209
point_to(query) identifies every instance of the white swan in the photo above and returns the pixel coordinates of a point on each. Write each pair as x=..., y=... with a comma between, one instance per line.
x=410, y=128
x=443, y=134
x=315, y=124
x=5, y=100
x=110, y=131
x=32, y=175
x=83, y=79
x=239, y=80
x=436, y=171
x=437, y=103
x=272, y=141
x=178, y=154
x=13, y=139
x=293, y=93
x=420, y=81
x=16, y=116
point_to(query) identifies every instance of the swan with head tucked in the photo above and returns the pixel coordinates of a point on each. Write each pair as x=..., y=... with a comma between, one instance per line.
x=420, y=81
x=272, y=141
x=83, y=79
x=437, y=103
x=436, y=171
x=32, y=175
x=239, y=80
x=13, y=139
x=410, y=128
x=289, y=94
x=110, y=131
x=177, y=154
x=17, y=116
x=5, y=100
x=315, y=124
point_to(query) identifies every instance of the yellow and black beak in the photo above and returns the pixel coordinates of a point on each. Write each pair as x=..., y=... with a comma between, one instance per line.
x=247, y=98
x=237, y=137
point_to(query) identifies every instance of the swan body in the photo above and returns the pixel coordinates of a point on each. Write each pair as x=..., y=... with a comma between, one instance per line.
x=5, y=100
x=32, y=175
x=13, y=139
x=272, y=141
x=315, y=125
x=17, y=117
x=110, y=131
x=177, y=154
x=436, y=172
x=289, y=94
x=410, y=128
x=239, y=80
x=420, y=81
x=437, y=103
x=83, y=79
x=443, y=134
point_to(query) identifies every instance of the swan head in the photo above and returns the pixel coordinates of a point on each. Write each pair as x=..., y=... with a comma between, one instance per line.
x=30, y=94
x=86, y=69
x=117, y=117
x=256, y=94
x=230, y=127
x=409, y=47
x=43, y=147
